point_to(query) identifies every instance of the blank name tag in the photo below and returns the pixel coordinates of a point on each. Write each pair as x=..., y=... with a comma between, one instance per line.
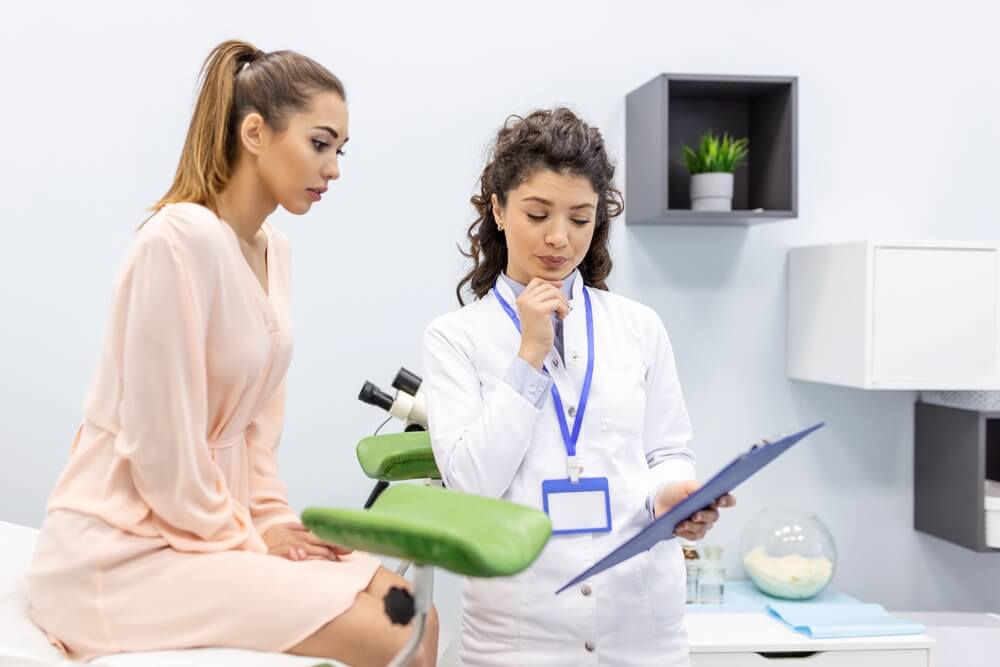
x=584, y=507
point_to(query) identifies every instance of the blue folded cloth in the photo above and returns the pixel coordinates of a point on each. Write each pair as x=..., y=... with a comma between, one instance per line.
x=830, y=620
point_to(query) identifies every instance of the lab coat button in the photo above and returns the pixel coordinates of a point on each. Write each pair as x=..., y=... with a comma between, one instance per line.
x=586, y=590
x=572, y=411
x=590, y=646
x=555, y=362
x=574, y=355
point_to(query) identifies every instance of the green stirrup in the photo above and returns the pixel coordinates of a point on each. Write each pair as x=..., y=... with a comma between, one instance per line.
x=398, y=456
x=471, y=535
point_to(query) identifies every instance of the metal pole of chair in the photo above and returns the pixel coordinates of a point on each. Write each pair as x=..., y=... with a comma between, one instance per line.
x=404, y=565
x=380, y=486
x=423, y=594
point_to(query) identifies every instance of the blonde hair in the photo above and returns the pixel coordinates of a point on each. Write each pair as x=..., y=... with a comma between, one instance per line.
x=237, y=79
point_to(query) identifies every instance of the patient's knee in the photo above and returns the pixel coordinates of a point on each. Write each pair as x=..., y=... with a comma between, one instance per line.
x=426, y=655
x=433, y=625
x=419, y=658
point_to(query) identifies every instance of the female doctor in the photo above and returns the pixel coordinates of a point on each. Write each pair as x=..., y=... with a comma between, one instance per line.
x=549, y=391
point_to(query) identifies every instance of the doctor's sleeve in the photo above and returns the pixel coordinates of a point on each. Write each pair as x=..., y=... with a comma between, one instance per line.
x=667, y=428
x=479, y=440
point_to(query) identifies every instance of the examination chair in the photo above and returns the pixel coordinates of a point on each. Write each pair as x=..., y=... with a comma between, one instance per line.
x=429, y=526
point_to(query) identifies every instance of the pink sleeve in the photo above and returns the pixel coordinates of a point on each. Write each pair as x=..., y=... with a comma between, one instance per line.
x=163, y=413
x=268, y=494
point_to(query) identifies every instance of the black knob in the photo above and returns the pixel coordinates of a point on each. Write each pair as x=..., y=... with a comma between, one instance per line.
x=399, y=606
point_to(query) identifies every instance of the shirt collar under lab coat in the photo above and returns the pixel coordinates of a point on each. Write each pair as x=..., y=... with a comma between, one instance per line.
x=517, y=288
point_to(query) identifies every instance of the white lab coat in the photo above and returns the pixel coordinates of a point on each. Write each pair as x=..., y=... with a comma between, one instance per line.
x=489, y=440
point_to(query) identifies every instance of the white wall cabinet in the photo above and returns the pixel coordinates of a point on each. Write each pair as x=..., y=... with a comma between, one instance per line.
x=882, y=315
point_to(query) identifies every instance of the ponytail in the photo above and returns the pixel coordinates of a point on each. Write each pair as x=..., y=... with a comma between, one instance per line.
x=238, y=79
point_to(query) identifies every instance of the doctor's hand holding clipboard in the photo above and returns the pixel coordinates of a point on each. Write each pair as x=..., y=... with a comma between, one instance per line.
x=696, y=526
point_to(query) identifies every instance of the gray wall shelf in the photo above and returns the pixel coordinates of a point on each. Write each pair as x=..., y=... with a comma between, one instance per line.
x=675, y=109
x=956, y=451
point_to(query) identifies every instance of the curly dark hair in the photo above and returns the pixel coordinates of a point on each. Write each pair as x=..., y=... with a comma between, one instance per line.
x=555, y=139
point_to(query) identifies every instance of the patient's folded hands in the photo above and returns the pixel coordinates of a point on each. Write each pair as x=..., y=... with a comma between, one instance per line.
x=294, y=542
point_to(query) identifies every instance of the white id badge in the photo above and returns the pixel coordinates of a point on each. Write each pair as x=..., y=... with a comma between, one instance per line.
x=583, y=507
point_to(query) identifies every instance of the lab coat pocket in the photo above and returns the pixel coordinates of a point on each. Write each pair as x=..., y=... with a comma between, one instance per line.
x=624, y=419
x=623, y=394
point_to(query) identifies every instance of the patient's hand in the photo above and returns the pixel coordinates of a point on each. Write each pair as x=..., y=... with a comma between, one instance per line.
x=698, y=524
x=294, y=542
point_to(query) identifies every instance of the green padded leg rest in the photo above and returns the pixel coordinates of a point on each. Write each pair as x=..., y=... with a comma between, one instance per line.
x=396, y=457
x=471, y=535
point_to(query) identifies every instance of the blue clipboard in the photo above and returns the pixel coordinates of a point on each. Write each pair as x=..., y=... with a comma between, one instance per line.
x=742, y=468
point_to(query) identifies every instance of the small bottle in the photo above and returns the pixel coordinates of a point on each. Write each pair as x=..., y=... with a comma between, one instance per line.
x=692, y=564
x=711, y=581
x=713, y=552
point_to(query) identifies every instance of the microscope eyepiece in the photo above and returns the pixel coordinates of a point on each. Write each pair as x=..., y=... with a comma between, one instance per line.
x=372, y=395
x=407, y=381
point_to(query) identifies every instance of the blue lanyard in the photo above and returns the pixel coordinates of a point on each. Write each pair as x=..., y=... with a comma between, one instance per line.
x=569, y=439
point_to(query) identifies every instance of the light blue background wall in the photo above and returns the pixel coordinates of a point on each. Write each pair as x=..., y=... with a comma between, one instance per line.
x=898, y=136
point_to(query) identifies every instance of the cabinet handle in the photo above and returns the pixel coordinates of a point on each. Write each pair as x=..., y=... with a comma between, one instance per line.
x=783, y=655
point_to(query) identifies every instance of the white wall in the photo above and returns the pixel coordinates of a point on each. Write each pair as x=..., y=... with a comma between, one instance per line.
x=897, y=137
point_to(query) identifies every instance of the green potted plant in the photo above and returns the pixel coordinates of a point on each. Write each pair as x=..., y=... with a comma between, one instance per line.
x=712, y=167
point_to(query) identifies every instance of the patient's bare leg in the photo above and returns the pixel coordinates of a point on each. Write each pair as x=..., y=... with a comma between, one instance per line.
x=363, y=636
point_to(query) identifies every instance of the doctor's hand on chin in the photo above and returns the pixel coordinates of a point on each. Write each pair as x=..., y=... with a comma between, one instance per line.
x=698, y=524
x=540, y=299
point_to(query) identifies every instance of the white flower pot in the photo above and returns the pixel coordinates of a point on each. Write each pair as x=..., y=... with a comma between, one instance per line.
x=712, y=192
